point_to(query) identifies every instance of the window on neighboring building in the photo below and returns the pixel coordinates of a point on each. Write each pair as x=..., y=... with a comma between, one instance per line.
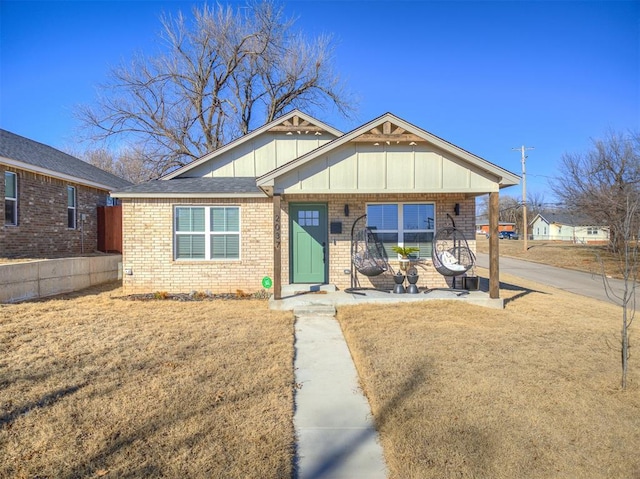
x=10, y=198
x=71, y=207
x=592, y=231
x=207, y=232
x=403, y=224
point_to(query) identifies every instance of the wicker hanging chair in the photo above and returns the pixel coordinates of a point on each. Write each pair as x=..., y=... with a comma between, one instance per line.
x=368, y=256
x=451, y=254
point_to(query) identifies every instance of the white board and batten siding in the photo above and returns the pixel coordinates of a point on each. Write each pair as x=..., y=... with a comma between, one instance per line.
x=260, y=155
x=358, y=167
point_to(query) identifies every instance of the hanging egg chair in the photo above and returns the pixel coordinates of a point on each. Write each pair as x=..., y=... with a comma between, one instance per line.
x=368, y=256
x=451, y=253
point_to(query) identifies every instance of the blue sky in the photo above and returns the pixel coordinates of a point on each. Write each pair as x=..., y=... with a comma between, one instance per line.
x=486, y=76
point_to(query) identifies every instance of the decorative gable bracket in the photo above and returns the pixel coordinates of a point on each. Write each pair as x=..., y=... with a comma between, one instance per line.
x=297, y=125
x=388, y=133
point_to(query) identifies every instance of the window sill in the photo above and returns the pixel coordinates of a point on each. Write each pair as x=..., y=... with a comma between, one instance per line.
x=206, y=261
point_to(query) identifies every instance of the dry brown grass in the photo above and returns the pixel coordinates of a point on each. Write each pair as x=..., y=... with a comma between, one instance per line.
x=97, y=386
x=530, y=391
x=581, y=257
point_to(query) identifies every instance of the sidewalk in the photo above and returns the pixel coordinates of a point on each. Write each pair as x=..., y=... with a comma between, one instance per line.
x=578, y=282
x=336, y=436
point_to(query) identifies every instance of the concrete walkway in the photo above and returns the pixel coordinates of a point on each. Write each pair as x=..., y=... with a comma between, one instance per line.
x=336, y=436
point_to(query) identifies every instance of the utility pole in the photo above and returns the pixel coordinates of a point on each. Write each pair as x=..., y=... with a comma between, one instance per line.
x=522, y=149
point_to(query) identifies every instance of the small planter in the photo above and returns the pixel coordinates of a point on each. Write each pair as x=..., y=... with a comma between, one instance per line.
x=413, y=288
x=471, y=283
x=399, y=287
x=404, y=264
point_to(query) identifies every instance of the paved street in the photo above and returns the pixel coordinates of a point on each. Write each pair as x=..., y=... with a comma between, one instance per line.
x=586, y=284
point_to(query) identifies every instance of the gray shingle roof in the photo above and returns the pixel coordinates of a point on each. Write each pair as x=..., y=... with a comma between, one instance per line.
x=568, y=218
x=191, y=186
x=19, y=148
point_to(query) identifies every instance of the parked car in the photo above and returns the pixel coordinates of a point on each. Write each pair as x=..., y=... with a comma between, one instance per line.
x=508, y=235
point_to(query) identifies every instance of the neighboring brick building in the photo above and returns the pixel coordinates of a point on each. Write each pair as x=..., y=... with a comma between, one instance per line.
x=50, y=200
x=289, y=193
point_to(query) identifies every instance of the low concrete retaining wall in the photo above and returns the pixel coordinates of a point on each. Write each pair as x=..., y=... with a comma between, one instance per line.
x=38, y=279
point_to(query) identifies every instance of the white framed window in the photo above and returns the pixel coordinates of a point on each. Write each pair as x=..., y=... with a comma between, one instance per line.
x=10, y=198
x=71, y=207
x=207, y=233
x=403, y=224
x=592, y=231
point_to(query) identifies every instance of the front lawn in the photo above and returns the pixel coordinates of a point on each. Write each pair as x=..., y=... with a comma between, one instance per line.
x=94, y=385
x=531, y=391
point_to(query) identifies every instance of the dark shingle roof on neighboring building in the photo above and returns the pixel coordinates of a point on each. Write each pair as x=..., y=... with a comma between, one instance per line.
x=243, y=186
x=41, y=156
x=567, y=218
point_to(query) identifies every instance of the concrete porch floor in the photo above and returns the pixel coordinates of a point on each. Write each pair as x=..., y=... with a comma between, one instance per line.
x=301, y=295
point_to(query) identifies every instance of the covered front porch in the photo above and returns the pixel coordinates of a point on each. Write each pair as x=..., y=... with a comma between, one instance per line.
x=297, y=296
x=387, y=164
x=335, y=268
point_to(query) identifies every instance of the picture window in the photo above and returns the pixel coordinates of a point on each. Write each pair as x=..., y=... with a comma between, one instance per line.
x=207, y=232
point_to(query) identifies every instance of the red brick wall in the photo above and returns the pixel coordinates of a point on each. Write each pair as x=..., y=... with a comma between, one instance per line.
x=42, y=218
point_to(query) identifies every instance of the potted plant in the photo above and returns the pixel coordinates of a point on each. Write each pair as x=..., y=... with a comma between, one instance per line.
x=404, y=252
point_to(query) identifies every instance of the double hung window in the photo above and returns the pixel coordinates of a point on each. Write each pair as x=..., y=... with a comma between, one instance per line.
x=207, y=232
x=10, y=198
x=403, y=224
x=71, y=207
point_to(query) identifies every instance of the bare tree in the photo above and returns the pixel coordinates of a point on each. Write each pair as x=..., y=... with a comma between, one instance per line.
x=535, y=204
x=601, y=182
x=510, y=208
x=628, y=265
x=222, y=72
x=130, y=164
x=604, y=183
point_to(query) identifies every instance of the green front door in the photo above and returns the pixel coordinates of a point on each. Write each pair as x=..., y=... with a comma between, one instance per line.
x=309, y=254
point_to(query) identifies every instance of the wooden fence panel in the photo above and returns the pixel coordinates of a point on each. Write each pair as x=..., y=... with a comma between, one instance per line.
x=110, y=229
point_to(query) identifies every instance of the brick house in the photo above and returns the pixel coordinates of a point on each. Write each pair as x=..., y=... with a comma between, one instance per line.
x=280, y=202
x=50, y=199
x=483, y=226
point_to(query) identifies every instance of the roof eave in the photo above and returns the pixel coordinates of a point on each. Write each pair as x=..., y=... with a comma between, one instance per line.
x=54, y=174
x=126, y=195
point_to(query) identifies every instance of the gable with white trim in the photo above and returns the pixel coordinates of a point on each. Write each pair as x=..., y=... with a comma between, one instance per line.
x=264, y=150
x=387, y=156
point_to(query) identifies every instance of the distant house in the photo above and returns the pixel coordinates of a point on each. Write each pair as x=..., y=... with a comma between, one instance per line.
x=50, y=199
x=482, y=227
x=565, y=226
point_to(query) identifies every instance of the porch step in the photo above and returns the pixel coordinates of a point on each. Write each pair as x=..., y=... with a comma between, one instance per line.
x=293, y=289
x=315, y=310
